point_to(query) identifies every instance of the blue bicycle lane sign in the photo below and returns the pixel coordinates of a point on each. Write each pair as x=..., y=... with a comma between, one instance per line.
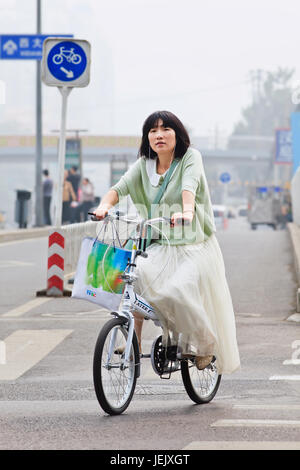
x=66, y=62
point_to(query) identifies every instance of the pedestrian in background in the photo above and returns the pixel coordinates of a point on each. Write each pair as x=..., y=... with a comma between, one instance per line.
x=87, y=198
x=47, y=196
x=68, y=196
x=74, y=178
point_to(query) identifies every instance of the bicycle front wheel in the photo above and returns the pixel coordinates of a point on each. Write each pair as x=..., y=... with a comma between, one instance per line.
x=200, y=385
x=115, y=382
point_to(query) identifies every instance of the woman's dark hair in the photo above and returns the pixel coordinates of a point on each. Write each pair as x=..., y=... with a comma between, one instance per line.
x=169, y=120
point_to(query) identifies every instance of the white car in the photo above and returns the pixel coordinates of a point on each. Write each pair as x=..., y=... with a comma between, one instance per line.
x=220, y=215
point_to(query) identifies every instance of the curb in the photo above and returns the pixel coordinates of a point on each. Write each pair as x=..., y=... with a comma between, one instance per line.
x=23, y=234
x=294, y=231
x=295, y=237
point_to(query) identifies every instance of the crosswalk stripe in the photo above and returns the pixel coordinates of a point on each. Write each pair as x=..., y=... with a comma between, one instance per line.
x=243, y=445
x=25, y=348
x=285, y=377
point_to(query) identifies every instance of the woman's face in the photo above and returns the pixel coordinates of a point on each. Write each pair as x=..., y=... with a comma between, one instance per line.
x=162, y=139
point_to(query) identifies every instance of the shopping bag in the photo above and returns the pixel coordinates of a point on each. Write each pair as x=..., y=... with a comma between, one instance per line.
x=98, y=274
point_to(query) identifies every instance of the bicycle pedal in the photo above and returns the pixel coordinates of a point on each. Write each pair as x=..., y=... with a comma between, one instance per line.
x=174, y=366
x=165, y=378
x=144, y=356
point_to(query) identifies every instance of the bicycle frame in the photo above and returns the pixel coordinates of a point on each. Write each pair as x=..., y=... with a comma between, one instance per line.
x=131, y=300
x=114, y=390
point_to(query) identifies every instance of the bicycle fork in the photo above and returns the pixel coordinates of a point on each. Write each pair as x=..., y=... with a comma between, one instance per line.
x=125, y=359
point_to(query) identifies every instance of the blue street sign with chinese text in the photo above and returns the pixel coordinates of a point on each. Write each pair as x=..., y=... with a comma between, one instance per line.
x=24, y=46
x=295, y=125
x=283, y=152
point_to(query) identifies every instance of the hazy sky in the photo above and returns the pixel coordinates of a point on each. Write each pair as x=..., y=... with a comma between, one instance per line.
x=191, y=57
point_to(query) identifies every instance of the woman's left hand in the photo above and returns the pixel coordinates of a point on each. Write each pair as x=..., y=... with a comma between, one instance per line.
x=182, y=218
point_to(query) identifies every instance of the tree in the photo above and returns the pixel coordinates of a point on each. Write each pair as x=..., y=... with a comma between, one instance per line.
x=271, y=103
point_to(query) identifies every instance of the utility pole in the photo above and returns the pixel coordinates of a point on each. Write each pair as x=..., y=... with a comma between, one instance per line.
x=256, y=77
x=38, y=151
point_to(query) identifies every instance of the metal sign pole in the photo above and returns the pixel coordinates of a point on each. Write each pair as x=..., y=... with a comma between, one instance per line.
x=65, y=91
x=38, y=158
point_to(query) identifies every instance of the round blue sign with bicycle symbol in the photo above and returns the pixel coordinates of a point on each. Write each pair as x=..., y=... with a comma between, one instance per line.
x=67, y=61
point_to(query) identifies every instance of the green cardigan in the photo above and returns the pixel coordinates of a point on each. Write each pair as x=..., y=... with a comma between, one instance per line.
x=188, y=175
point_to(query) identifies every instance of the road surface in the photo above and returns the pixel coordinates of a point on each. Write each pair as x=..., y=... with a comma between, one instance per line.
x=47, y=400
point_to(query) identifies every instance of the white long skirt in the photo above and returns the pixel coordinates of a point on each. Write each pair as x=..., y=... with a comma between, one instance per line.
x=186, y=284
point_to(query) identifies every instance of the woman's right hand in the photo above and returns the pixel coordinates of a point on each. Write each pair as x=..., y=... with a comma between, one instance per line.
x=101, y=212
x=108, y=201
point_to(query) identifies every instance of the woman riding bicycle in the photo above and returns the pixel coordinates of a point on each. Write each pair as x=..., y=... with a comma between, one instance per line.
x=191, y=295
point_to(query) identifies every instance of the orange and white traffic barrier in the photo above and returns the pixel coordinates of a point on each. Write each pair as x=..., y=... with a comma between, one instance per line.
x=64, y=245
x=55, y=272
x=63, y=251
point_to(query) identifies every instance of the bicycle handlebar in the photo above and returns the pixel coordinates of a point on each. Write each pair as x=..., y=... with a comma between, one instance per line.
x=119, y=216
x=114, y=216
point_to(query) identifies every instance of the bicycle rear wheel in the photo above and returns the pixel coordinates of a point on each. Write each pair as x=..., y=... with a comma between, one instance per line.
x=200, y=385
x=114, y=383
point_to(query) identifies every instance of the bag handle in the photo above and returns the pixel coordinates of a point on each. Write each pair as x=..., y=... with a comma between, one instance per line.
x=115, y=234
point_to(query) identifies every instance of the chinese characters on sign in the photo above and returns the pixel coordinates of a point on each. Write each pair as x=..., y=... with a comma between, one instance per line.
x=23, y=46
x=283, y=152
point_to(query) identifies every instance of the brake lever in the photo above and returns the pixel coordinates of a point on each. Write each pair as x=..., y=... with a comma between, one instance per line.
x=180, y=222
x=93, y=218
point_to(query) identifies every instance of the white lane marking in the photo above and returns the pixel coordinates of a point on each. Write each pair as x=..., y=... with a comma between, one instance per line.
x=18, y=311
x=242, y=445
x=294, y=362
x=285, y=377
x=261, y=423
x=254, y=315
x=14, y=264
x=295, y=317
x=266, y=406
x=24, y=348
x=103, y=313
x=13, y=242
x=22, y=240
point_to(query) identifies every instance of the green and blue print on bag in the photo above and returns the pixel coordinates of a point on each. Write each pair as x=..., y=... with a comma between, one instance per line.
x=105, y=265
x=98, y=274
